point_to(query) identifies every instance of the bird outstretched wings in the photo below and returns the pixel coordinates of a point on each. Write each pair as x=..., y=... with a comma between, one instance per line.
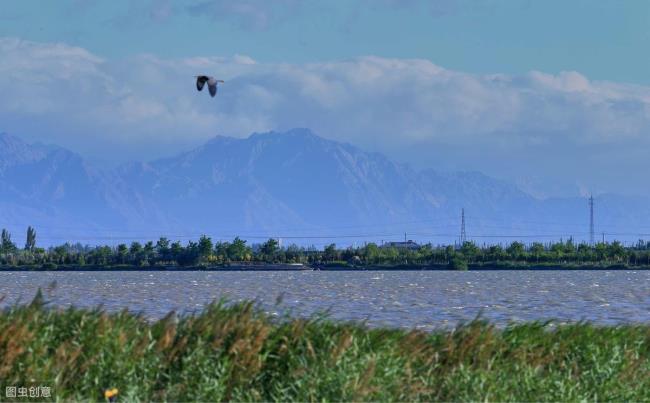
x=212, y=84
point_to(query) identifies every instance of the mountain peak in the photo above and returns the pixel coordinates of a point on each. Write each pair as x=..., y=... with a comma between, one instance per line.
x=300, y=132
x=303, y=137
x=295, y=133
x=296, y=136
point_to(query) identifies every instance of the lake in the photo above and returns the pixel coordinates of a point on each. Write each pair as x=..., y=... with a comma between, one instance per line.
x=409, y=299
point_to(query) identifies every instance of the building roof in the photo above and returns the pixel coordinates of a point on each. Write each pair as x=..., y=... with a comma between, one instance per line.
x=410, y=244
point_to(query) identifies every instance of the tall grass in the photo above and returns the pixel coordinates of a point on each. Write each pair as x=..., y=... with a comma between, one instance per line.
x=236, y=352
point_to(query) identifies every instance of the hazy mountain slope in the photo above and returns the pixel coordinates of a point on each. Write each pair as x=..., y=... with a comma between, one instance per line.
x=292, y=183
x=303, y=178
x=297, y=181
x=56, y=189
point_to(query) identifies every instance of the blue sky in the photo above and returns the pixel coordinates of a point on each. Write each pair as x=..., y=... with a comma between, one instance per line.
x=552, y=95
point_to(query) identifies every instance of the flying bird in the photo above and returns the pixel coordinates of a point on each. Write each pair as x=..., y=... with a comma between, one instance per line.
x=212, y=84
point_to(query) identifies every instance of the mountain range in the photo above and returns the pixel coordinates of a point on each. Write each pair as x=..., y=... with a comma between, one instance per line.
x=294, y=185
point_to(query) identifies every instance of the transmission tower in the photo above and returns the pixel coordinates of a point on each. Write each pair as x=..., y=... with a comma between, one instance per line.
x=463, y=235
x=591, y=219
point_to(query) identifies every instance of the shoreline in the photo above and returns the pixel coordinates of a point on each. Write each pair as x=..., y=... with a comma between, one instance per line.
x=304, y=267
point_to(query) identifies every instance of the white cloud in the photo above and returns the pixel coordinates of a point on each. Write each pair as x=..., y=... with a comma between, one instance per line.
x=147, y=106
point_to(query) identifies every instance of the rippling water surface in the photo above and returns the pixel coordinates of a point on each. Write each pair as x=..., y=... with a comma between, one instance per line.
x=420, y=299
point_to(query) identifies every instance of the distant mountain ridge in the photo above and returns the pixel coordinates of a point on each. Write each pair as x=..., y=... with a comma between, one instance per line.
x=292, y=184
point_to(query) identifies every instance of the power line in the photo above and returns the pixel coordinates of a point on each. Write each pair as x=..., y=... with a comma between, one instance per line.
x=230, y=236
x=387, y=226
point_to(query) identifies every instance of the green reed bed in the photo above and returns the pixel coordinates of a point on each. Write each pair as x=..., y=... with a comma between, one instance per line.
x=236, y=352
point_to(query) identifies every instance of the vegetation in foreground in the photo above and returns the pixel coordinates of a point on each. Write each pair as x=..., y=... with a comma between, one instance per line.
x=206, y=253
x=238, y=353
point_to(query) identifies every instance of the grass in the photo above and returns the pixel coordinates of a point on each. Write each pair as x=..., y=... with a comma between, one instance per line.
x=236, y=352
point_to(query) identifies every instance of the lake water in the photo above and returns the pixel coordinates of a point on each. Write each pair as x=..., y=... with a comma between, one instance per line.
x=409, y=299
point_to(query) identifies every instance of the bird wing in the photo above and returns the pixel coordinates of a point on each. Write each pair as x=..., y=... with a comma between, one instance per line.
x=213, y=89
x=200, y=82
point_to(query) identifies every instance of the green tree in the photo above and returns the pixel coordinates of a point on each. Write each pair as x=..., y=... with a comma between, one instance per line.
x=270, y=249
x=162, y=247
x=330, y=253
x=570, y=247
x=516, y=250
x=450, y=252
x=6, y=246
x=136, y=252
x=135, y=248
x=122, y=252
x=392, y=254
x=102, y=254
x=176, y=251
x=458, y=263
x=60, y=253
x=237, y=250
x=293, y=253
x=189, y=255
x=584, y=252
x=425, y=253
x=601, y=251
x=495, y=252
x=616, y=251
x=205, y=247
x=537, y=249
x=30, y=243
x=372, y=253
x=148, y=251
x=558, y=250
x=221, y=250
x=470, y=250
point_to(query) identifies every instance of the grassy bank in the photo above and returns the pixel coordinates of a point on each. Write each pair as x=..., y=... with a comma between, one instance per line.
x=239, y=353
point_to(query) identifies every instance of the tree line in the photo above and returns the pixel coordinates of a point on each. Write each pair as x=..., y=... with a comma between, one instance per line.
x=206, y=252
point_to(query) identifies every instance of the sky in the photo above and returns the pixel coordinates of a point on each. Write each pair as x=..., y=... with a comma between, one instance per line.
x=552, y=95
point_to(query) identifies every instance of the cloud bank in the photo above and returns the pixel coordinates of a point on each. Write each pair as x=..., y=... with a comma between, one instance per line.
x=556, y=131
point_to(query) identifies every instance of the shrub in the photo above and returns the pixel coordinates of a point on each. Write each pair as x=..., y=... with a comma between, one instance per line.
x=458, y=263
x=49, y=266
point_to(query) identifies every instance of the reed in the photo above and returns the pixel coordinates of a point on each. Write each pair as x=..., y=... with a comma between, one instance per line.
x=236, y=352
